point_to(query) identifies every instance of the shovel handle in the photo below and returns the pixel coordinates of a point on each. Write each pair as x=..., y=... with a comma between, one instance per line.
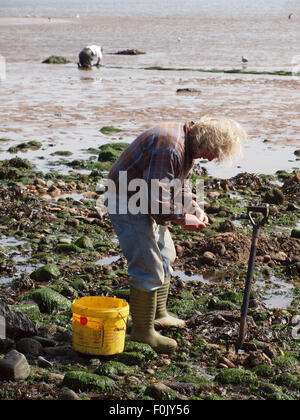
x=264, y=210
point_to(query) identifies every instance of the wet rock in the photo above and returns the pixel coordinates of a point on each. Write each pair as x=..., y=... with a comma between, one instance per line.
x=18, y=325
x=295, y=233
x=29, y=346
x=44, y=363
x=111, y=152
x=48, y=300
x=183, y=388
x=7, y=345
x=274, y=196
x=226, y=362
x=208, y=258
x=68, y=395
x=188, y=90
x=58, y=351
x=160, y=391
x=55, y=59
x=14, y=366
x=46, y=273
x=78, y=380
x=257, y=358
x=226, y=226
x=114, y=369
x=130, y=52
x=270, y=351
x=84, y=242
x=297, y=152
x=280, y=257
x=237, y=376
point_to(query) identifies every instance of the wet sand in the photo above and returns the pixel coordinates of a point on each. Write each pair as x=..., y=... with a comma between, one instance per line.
x=65, y=108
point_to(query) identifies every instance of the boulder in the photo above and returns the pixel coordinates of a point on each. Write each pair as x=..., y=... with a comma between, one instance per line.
x=18, y=325
x=14, y=366
x=46, y=273
x=49, y=300
x=29, y=346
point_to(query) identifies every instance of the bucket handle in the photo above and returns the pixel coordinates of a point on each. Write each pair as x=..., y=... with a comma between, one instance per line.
x=104, y=326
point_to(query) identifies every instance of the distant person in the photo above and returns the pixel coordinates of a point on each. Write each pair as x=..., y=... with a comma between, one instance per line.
x=88, y=55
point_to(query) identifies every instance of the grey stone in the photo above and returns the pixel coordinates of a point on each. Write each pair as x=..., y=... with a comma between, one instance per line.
x=18, y=325
x=14, y=366
x=29, y=346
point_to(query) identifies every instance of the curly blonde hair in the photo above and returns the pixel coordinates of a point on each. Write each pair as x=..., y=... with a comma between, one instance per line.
x=221, y=136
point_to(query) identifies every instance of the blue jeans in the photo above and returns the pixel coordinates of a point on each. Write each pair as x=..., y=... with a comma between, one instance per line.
x=148, y=248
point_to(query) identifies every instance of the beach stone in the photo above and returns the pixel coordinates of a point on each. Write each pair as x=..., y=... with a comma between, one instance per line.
x=7, y=345
x=297, y=152
x=43, y=362
x=130, y=52
x=29, y=346
x=68, y=395
x=46, y=273
x=160, y=391
x=227, y=226
x=208, y=257
x=274, y=196
x=14, y=366
x=257, y=358
x=84, y=242
x=18, y=325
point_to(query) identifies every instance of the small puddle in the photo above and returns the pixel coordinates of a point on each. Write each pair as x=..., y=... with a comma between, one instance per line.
x=108, y=260
x=278, y=293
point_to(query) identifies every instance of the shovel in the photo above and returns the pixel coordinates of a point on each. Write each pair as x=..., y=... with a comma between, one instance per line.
x=264, y=210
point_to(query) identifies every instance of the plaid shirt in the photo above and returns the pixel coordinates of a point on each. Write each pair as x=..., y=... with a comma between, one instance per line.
x=162, y=152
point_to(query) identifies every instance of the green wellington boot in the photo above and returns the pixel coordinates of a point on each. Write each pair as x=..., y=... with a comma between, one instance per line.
x=162, y=317
x=143, y=309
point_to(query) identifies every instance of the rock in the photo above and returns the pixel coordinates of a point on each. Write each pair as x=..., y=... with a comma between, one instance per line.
x=160, y=391
x=257, y=358
x=237, y=376
x=54, y=59
x=226, y=362
x=208, y=257
x=113, y=369
x=48, y=300
x=130, y=52
x=295, y=233
x=29, y=346
x=226, y=226
x=111, y=152
x=280, y=256
x=7, y=345
x=84, y=242
x=297, y=152
x=14, y=366
x=46, y=273
x=274, y=196
x=270, y=351
x=57, y=351
x=83, y=381
x=68, y=395
x=18, y=325
x=43, y=362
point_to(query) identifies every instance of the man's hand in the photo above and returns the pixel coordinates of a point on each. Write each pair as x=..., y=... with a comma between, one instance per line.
x=191, y=223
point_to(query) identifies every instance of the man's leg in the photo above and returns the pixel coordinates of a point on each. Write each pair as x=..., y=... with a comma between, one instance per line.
x=139, y=245
x=168, y=252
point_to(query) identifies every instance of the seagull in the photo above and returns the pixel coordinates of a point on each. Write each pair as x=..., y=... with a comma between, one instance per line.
x=244, y=60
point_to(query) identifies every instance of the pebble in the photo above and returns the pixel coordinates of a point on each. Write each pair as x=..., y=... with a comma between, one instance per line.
x=43, y=362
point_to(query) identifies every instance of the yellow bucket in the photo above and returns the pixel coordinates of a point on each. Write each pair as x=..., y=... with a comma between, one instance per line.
x=99, y=325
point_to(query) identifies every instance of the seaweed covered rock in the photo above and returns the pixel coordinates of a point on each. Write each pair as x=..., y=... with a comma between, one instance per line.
x=78, y=380
x=49, y=300
x=55, y=59
x=237, y=376
x=46, y=273
x=114, y=369
x=84, y=242
x=111, y=152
